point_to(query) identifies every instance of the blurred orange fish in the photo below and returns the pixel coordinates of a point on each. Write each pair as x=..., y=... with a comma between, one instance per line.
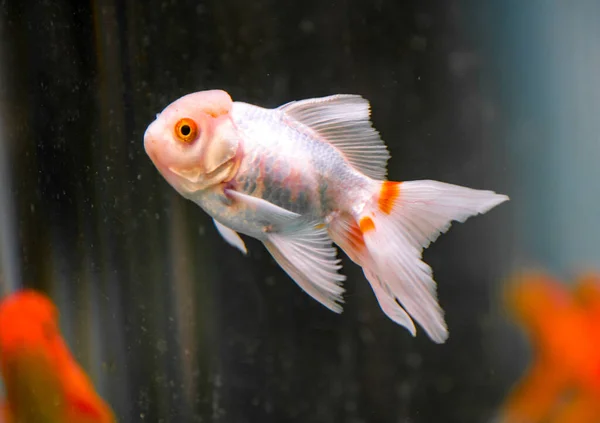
x=563, y=381
x=42, y=381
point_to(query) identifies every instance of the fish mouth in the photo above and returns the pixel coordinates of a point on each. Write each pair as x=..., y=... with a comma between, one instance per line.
x=191, y=179
x=151, y=136
x=193, y=175
x=194, y=179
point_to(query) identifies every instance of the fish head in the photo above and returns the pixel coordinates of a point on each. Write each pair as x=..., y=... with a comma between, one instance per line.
x=28, y=321
x=193, y=142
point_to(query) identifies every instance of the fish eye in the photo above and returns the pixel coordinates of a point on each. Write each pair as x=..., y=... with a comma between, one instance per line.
x=186, y=130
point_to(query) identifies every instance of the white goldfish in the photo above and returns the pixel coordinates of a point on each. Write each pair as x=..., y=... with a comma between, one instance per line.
x=304, y=176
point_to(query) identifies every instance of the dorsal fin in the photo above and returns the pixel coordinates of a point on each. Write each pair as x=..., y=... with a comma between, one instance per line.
x=343, y=121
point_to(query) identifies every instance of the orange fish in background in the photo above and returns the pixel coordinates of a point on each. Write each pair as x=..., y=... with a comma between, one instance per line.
x=42, y=381
x=562, y=384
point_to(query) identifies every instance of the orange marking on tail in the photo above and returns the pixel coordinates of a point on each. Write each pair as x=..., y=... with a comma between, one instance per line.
x=388, y=195
x=366, y=224
x=355, y=237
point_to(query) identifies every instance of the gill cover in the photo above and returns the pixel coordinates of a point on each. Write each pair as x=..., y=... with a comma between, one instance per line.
x=223, y=141
x=221, y=149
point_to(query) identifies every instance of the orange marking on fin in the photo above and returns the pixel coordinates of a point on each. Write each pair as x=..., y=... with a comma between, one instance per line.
x=320, y=226
x=388, y=195
x=366, y=224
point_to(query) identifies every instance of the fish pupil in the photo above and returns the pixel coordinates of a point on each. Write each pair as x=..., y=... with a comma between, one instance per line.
x=186, y=130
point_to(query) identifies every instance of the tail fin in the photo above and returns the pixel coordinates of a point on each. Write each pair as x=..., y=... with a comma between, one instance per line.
x=401, y=220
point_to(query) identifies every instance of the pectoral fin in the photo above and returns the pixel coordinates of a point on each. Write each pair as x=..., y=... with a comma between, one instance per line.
x=272, y=217
x=302, y=248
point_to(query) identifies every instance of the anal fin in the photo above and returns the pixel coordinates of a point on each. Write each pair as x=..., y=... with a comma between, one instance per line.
x=309, y=258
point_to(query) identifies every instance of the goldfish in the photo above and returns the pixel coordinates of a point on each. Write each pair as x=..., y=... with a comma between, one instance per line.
x=43, y=383
x=305, y=176
x=562, y=383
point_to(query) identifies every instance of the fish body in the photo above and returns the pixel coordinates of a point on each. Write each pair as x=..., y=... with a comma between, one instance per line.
x=301, y=174
x=304, y=176
x=42, y=381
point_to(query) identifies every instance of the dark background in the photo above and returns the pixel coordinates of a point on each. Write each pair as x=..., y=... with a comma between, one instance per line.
x=173, y=324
